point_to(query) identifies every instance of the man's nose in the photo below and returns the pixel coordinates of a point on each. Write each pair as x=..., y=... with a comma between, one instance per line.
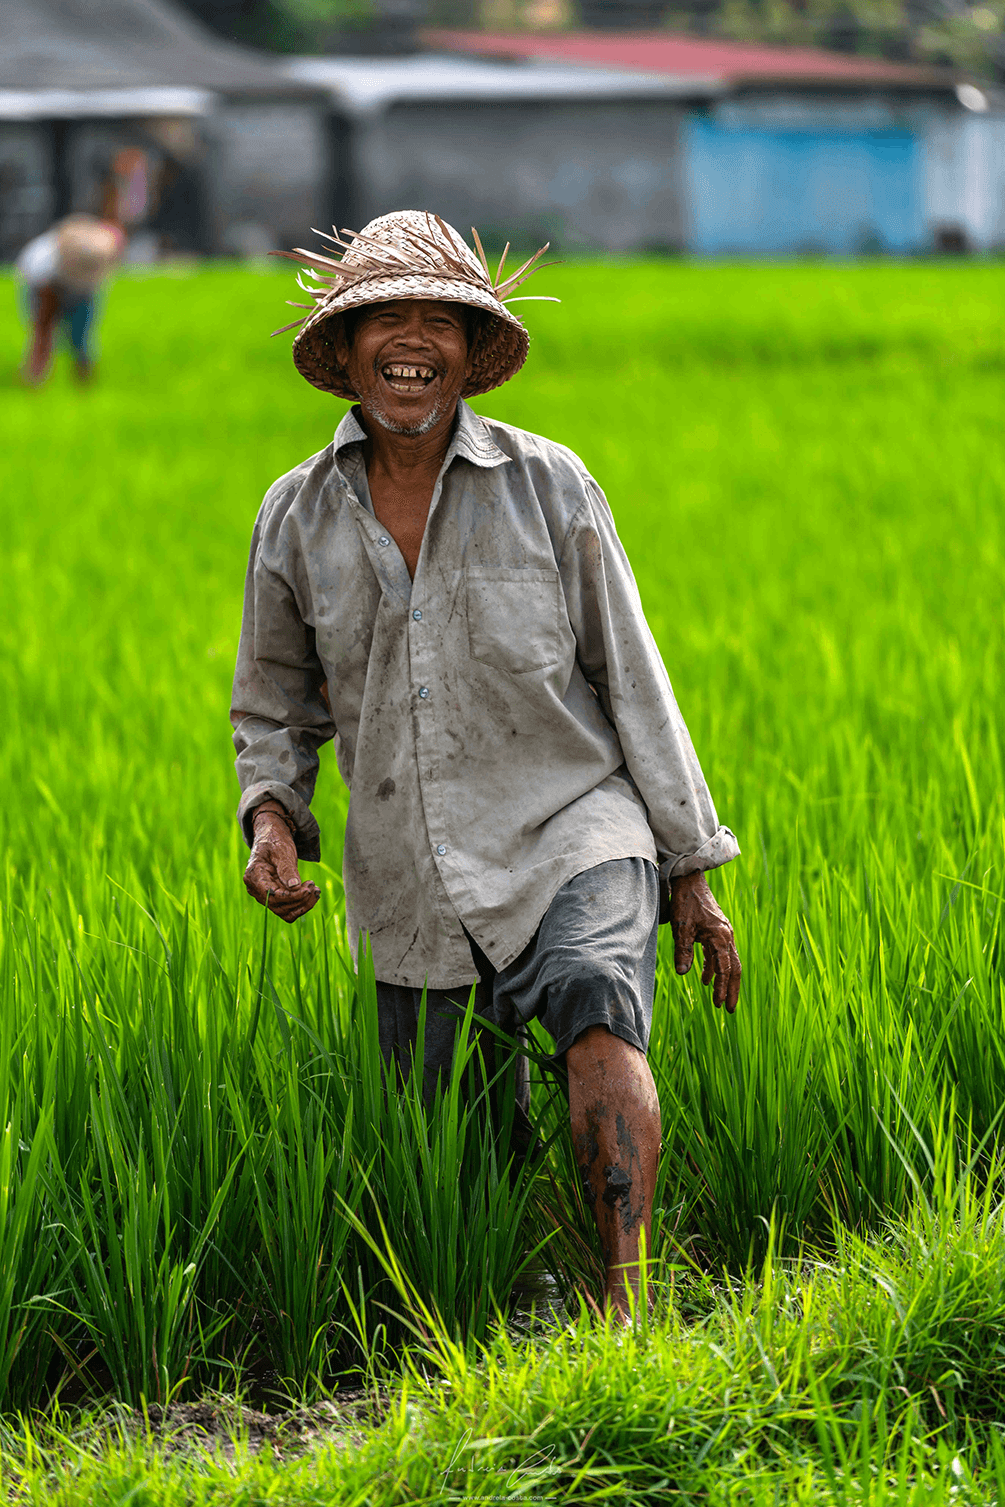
x=414, y=331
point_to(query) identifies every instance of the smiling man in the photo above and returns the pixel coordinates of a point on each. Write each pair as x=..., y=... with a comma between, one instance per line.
x=446, y=596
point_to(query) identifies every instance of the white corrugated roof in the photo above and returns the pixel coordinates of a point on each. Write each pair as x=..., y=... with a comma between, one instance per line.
x=77, y=104
x=371, y=84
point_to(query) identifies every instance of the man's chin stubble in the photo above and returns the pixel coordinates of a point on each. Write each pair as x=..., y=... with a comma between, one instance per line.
x=420, y=426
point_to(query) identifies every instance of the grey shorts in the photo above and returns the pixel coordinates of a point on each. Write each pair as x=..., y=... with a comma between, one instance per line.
x=591, y=962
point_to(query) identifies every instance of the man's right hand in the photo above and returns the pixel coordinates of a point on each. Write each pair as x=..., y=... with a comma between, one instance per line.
x=271, y=877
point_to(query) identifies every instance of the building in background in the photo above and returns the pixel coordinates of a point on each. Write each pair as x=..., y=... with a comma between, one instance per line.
x=798, y=151
x=221, y=149
x=604, y=140
x=585, y=157
x=965, y=173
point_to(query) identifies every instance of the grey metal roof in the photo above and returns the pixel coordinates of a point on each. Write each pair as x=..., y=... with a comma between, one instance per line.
x=74, y=45
x=361, y=85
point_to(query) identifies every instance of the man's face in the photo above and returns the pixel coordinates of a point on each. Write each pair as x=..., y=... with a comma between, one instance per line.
x=409, y=362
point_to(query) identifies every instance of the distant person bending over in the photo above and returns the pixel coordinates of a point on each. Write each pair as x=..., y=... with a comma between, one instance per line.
x=447, y=597
x=62, y=271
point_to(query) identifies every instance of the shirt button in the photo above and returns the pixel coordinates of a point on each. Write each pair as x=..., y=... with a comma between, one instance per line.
x=424, y=692
x=440, y=849
x=417, y=615
x=383, y=539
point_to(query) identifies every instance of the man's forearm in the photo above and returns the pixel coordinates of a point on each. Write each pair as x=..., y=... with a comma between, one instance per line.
x=287, y=804
x=271, y=807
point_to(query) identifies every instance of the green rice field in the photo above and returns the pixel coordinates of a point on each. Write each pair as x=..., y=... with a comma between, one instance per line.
x=202, y=1188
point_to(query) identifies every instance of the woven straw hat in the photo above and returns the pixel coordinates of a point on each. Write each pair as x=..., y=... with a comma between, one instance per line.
x=408, y=254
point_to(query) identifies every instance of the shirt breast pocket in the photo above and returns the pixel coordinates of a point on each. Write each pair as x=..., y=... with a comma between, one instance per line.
x=514, y=618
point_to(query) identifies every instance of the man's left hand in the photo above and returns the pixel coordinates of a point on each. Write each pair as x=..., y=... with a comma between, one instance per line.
x=696, y=917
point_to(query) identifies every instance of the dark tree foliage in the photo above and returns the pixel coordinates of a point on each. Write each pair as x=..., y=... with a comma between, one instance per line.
x=249, y=21
x=283, y=25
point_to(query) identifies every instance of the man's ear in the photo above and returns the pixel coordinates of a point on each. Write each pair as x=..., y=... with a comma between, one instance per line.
x=343, y=347
x=340, y=342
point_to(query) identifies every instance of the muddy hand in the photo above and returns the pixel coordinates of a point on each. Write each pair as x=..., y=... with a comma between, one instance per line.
x=695, y=917
x=271, y=876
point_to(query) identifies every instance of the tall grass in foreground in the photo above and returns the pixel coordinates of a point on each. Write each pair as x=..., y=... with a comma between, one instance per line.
x=189, y=1143
x=805, y=465
x=874, y=1377
x=196, y=1171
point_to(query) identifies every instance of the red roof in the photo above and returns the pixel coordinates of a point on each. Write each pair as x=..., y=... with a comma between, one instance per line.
x=684, y=56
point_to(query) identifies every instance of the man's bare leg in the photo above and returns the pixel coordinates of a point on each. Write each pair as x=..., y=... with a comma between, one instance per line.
x=615, y=1116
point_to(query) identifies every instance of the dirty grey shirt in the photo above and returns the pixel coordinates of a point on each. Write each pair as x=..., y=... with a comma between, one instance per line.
x=503, y=722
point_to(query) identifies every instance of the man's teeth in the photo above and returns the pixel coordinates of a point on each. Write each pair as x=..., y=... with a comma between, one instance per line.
x=404, y=372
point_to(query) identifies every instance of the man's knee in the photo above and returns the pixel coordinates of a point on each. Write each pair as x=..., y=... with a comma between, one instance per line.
x=600, y=1041
x=591, y=1039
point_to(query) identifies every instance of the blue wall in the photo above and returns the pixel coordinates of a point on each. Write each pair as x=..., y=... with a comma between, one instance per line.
x=766, y=190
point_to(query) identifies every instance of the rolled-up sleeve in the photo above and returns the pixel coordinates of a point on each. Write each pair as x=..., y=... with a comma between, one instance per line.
x=278, y=712
x=621, y=661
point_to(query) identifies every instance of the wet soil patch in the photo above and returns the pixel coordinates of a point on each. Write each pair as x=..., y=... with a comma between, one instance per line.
x=213, y=1424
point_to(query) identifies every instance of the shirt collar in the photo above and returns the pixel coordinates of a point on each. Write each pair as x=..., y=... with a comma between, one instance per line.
x=471, y=438
x=473, y=441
